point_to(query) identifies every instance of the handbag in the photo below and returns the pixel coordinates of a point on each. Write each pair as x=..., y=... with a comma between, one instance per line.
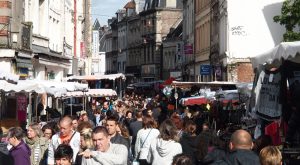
x=138, y=155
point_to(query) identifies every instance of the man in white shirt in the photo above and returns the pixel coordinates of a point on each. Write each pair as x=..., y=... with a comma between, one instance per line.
x=106, y=153
x=66, y=135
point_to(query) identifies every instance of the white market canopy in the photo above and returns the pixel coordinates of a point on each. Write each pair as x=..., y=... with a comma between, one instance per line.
x=97, y=77
x=56, y=89
x=4, y=75
x=92, y=93
x=202, y=84
x=283, y=51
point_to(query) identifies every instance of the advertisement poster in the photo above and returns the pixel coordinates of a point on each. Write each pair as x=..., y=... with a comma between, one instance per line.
x=21, y=107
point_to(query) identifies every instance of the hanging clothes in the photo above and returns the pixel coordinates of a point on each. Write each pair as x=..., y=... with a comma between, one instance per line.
x=277, y=130
x=267, y=95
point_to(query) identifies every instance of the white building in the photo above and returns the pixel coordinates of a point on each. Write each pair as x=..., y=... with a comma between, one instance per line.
x=56, y=46
x=247, y=29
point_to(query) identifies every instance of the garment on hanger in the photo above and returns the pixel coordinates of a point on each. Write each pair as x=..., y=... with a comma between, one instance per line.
x=267, y=95
x=277, y=130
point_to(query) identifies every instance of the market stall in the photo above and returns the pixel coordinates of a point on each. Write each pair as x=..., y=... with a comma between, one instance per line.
x=276, y=94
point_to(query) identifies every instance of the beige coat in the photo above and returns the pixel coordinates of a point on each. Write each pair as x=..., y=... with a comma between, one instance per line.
x=43, y=153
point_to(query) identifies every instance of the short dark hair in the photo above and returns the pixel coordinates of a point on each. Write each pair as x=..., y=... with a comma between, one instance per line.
x=101, y=129
x=113, y=118
x=63, y=151
x=15, y=132
x=182, y=159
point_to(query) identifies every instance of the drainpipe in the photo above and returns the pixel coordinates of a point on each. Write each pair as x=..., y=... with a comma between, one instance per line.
x=75, y=27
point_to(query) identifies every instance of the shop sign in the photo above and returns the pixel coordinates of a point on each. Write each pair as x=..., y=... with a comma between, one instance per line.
x=205, y=69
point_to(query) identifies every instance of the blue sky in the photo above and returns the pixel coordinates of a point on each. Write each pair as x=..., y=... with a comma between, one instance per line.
x=105, y=9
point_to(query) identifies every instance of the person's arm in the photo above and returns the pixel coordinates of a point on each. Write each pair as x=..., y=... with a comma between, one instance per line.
x=119, y=155
x=150, y=156
x=137, y=146
x=51, y=153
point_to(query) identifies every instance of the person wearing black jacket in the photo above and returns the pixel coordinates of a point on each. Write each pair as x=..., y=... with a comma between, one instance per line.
x=5, y=158
x=240, y=150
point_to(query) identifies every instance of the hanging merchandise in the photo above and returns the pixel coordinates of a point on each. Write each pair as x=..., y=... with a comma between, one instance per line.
x=267, y=93
x=277, y=130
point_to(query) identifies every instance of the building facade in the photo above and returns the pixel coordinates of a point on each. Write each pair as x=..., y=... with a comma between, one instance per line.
x=202, y=40
x=111, y=52
x=37, y=38
x=157, y=19
x=188, y=40
x=240, y=36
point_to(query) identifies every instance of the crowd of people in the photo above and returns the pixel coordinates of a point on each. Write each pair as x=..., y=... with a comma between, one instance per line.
x=134, y=131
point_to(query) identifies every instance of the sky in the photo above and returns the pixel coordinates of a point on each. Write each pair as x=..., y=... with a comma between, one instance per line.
x=105, y=9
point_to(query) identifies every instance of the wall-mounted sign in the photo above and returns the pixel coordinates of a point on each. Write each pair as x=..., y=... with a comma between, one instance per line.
x=205, y=69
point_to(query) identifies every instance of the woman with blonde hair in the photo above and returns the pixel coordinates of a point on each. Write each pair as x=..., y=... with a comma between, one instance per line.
x=270, y=155
x=86, y=142
x=37, y=144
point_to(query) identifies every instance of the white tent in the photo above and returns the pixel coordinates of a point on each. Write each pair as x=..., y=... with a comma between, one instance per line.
x=97, y=77
x=8, y=76
x=56, y=89
x=92, y=93
x=283, y=51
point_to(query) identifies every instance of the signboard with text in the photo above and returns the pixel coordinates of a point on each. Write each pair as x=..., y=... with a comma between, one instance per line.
x=205, y=69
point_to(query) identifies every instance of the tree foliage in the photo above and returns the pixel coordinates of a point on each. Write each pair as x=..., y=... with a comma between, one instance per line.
x=290, y=18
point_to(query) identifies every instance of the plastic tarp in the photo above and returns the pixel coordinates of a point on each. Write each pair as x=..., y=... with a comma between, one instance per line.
x=97, y=77
x=92, y=93
x=285, y=50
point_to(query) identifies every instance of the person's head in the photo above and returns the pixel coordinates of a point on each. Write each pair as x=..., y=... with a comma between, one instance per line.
x=240, y=139
x=63, y=155
x=190, y=127
x=261, y=142
x=168, y=130
x=75, y=122
x=86, y=138
x=270, y=155
x=48, y=131
x=149, y=122
x=15, y=135
x=177, y=121
x=129, y=114
x=65, y=126
x=111, y=125
x=139, y=115
x=149, y=112
x=84, y=117
x=33, y=131
x=83, y=125
x=105, y=105
x=182, y=159
x=205, y=127
x=101, y=138
x=123, y=130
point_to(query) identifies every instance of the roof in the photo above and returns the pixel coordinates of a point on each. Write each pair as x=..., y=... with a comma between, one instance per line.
x=130, y=5
x=96, y=25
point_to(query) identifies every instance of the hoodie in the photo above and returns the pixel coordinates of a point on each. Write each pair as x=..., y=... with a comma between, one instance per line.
x=163, y=151
x=21, y=154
